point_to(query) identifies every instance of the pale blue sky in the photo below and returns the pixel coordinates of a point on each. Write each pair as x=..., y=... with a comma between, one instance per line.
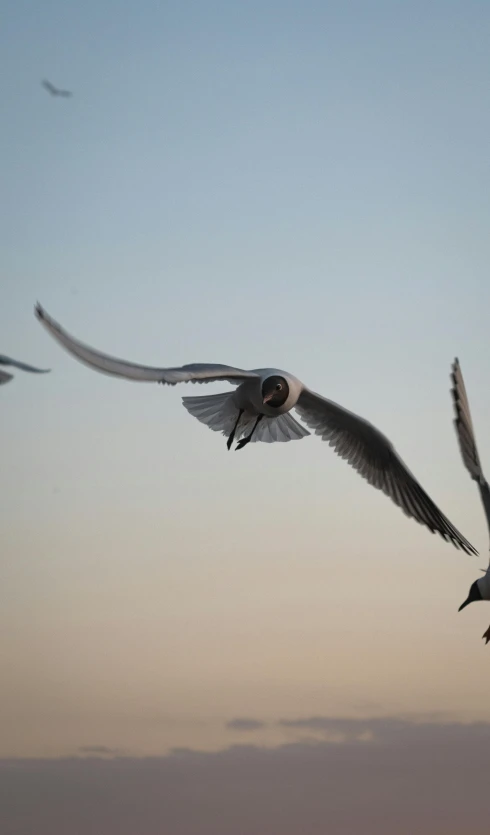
x=303, y=185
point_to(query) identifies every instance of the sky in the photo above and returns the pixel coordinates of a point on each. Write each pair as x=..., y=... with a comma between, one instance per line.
x=299, y=185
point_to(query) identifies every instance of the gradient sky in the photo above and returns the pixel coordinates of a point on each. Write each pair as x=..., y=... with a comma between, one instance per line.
x=301, y=185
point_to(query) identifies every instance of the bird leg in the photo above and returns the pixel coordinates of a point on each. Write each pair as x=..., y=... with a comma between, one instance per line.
x=486, y=635
x=230, y=439
x=248, y=438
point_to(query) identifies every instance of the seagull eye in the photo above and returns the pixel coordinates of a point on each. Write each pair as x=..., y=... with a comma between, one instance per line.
x=278, y=387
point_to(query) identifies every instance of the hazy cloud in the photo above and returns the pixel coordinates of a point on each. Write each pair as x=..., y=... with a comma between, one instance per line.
x=391, y=775
x=243, y=724
x=99, y=749
x=385, y=729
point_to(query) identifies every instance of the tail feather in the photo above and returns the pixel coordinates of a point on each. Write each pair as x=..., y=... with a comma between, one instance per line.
x=219, y=412
x=281, y=428
x=5, y=377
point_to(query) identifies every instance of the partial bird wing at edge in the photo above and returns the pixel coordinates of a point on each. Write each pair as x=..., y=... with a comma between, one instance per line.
x=106, y=364
x=373, y=456
x=22, y=365
x=466, y=436
x=464, y=425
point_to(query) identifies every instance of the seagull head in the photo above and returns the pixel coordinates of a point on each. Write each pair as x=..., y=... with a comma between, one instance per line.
x=474, y=594
x=275, y=390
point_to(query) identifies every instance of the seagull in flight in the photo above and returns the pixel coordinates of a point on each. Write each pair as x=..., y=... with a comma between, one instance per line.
x=55, y=91
x=5, y=377
x=259, y=409
x=480, y=589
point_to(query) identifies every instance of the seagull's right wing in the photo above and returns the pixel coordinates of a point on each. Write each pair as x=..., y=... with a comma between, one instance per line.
x=375, y=459
x=195, y=373
x=466, y=436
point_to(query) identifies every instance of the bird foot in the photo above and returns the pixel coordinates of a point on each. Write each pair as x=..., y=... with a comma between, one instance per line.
x=243, y=442
x=486, y=635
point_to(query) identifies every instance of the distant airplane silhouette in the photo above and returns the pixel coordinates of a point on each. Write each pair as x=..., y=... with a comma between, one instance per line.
x=5, y=377
x=55, y=91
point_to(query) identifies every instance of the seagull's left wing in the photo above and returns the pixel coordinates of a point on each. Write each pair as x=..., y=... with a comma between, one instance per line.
x=375, y=459
x=195, y=373
x=22, y=365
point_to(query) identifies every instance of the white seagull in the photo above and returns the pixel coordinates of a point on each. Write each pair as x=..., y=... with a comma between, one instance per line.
x=5, y=377
x=259, y=410
x=480, y=589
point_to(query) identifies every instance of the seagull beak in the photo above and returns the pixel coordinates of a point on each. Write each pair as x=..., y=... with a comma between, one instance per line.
x=464, y=604
x=268, y=397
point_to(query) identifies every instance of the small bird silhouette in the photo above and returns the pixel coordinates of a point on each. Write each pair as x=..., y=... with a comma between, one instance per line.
x=55, y=91
x=5, y=377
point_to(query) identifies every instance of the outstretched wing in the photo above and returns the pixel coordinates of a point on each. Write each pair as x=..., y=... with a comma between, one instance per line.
x=22, y=365
x=466, y=436
x=464, y=425
x=375, y=459
x=195, y=373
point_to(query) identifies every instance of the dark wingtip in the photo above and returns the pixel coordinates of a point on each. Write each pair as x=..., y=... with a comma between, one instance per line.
x=464, y=545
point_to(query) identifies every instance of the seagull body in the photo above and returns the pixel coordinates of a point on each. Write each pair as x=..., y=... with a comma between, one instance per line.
x=55, y=91
x=259, y=409
x=480, y=589
x=5, y=377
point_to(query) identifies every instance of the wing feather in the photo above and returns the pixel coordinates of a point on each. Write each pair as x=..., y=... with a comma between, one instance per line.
x=106, y=364
x=466, y=436
x=375, y=459
x=464, y=425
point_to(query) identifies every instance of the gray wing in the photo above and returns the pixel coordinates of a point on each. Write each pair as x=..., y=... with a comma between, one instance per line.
x=375, y=459
x=464, y=425
x=195, y=373
x=466, y=436
x=22, y=365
